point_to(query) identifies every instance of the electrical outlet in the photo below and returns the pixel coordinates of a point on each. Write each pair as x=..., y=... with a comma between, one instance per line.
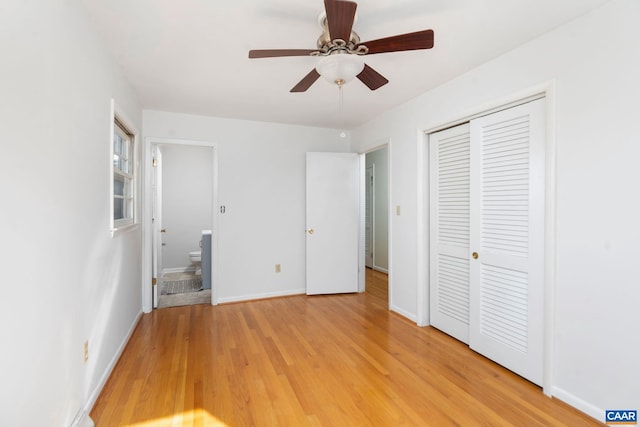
x=86, y=351
x=277, y=268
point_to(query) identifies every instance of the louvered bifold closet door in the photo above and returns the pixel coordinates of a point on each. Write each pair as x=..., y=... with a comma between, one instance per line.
x=449, y=236
x=507, y=234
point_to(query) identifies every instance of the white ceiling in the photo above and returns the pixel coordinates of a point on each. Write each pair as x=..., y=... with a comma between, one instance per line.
x=190, y=56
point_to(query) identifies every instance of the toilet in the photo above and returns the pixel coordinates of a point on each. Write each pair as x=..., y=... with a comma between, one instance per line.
x=196, y=260
x=196, y=256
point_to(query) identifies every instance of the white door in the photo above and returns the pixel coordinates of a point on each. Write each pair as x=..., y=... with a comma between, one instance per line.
x=332, y=223
x=449, y=236
x=507, y=238
x=156, y=194
x=368, y=217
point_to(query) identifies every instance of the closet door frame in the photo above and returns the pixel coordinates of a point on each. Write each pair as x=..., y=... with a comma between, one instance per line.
x=546, y=91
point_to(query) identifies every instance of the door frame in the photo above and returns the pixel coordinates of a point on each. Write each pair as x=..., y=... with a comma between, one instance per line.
x=545, y=90
x=363, y=246
x=369, y=188
x=156, y=213
x=147, y=225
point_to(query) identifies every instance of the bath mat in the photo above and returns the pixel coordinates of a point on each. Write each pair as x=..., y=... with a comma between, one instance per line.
x=172, y=287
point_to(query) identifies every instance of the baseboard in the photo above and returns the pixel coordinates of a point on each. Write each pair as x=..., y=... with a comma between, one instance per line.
x=261, y=296
x=404, y=313
x=107, y=373
x=82, y=420
x=380, y=269
x=581, y=405
x=178, y=270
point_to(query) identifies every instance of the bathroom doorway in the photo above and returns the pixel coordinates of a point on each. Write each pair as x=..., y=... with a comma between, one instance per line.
x=183, y=239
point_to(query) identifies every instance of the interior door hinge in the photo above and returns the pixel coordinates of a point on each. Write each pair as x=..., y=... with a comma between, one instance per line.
x=154, y=281
x=154, y=162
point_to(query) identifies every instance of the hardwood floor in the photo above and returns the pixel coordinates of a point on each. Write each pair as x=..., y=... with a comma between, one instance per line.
x=336, y=360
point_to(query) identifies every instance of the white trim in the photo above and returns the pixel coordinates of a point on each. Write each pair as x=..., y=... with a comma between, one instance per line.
x=549, y=317
x=93, y=397
x=403, y=313
x=373, y=214
x=523, y=97
x=390, y=223
x=582, y=405
x=422, y=230
x=382, y=143
x=148, y=227
x=147, y=230
x=544, y=90
x=265, y=295
x=380, y=269
x=82, y=419
x=362, y=244
x=378, y=147
x=116, y=227
x=178, y=270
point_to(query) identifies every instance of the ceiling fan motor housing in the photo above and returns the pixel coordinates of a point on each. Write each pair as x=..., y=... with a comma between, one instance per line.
x=326, y=46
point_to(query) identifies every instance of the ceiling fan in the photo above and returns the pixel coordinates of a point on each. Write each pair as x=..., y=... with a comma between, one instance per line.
x=341, y=49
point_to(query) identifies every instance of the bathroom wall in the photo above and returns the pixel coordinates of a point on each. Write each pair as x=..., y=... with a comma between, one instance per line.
x=187, y=184
x=65, y=279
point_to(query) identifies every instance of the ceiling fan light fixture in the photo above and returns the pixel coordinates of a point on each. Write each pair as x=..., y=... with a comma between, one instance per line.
x=340, y=68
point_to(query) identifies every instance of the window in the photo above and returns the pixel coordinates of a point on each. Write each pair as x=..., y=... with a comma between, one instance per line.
x=123, y=201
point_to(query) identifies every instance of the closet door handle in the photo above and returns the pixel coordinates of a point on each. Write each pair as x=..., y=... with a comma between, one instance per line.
x=310, y=231
x=475, y=255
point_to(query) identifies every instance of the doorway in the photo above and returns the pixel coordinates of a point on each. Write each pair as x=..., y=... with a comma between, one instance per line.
x=376, y=215
x=181, y=195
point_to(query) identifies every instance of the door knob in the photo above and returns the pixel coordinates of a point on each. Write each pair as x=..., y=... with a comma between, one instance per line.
x=310, y=231
x=475, y=255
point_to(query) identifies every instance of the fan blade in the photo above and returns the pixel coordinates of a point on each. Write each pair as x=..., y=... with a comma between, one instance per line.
x=340, y=16
x=372, y=78
x=306, y=82
x=272, y=53
x=410, y=41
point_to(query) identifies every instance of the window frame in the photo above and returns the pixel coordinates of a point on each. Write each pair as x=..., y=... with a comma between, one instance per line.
x=121, y=125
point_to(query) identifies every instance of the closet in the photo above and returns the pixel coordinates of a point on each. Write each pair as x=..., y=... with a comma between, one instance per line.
x=486, y=181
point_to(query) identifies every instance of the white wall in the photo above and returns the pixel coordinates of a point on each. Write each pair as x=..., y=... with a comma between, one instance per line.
x=261, y=182
x=595, y=63
x=380, y=158
x=187, y=185
x=64, y=278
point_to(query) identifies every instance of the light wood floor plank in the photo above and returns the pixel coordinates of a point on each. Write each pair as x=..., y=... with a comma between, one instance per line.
x=334, y=360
